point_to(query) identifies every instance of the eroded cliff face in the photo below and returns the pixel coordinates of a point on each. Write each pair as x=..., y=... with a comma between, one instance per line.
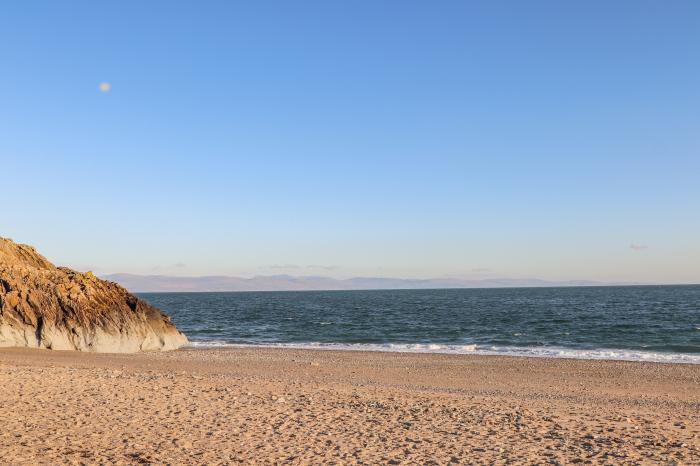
x=44, y=306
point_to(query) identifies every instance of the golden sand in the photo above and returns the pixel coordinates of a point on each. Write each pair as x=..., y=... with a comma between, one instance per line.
x=255, y=405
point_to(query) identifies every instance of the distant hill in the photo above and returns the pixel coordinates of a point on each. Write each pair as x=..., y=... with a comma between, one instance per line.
x=145, y=283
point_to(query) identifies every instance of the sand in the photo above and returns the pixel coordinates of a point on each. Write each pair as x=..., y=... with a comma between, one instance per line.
x=254, y=405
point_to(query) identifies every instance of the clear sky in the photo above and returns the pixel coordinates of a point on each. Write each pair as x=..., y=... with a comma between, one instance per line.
x=548, y=139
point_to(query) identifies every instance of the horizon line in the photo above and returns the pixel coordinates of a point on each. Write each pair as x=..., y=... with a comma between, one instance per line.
x=274, y=283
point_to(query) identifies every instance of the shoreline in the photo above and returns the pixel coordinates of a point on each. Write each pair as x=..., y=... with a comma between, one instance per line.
x=272, y=405
x=551, y=352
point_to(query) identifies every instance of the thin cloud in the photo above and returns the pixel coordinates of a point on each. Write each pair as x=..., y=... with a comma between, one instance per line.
x=323, y=267
x=297, y=267
x=481, y=269
x=638, y=247
x=177, y=265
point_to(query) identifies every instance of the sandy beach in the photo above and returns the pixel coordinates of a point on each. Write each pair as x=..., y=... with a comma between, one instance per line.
x=273, y=406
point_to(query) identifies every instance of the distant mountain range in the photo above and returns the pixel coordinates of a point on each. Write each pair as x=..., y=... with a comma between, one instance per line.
x=163, y=283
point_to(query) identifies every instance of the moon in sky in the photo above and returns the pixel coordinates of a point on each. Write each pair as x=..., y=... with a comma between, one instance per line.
x=105, y=87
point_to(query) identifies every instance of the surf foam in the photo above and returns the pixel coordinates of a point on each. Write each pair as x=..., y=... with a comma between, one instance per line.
x=536, y=352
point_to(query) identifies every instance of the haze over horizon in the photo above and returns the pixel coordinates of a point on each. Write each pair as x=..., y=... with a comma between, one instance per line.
x=164, y=283
x=546, y=140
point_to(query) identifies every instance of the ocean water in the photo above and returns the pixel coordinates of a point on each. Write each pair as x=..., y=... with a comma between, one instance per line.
x=653, y=323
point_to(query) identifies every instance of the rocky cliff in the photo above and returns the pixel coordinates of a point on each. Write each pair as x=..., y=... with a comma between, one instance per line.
x=44, y=306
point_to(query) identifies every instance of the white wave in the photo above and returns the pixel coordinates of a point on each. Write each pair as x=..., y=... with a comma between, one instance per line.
x=538, y=352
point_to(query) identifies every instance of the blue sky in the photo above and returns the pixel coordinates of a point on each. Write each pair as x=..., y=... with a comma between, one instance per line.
x=557, y=140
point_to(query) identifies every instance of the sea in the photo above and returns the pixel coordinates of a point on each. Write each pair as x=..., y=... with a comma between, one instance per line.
x=639, y=323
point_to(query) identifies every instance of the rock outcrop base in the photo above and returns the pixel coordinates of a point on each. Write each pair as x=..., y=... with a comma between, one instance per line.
x=44, y=306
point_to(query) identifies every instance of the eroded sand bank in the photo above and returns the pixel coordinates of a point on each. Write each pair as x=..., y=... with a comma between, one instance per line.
x=255, y=405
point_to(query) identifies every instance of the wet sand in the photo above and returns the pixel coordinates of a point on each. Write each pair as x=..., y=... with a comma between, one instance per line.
x=256, y=405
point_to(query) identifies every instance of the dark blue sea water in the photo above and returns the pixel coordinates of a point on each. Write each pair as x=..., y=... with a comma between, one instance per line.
x=656, y=323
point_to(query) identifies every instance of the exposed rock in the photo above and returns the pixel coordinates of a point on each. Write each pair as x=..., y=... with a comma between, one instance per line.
x=44, y=306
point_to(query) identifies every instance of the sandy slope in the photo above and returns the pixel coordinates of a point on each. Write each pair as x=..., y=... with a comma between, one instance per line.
x=301, y=406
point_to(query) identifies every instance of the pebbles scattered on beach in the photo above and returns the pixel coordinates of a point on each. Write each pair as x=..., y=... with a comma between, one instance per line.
x=271, y=406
